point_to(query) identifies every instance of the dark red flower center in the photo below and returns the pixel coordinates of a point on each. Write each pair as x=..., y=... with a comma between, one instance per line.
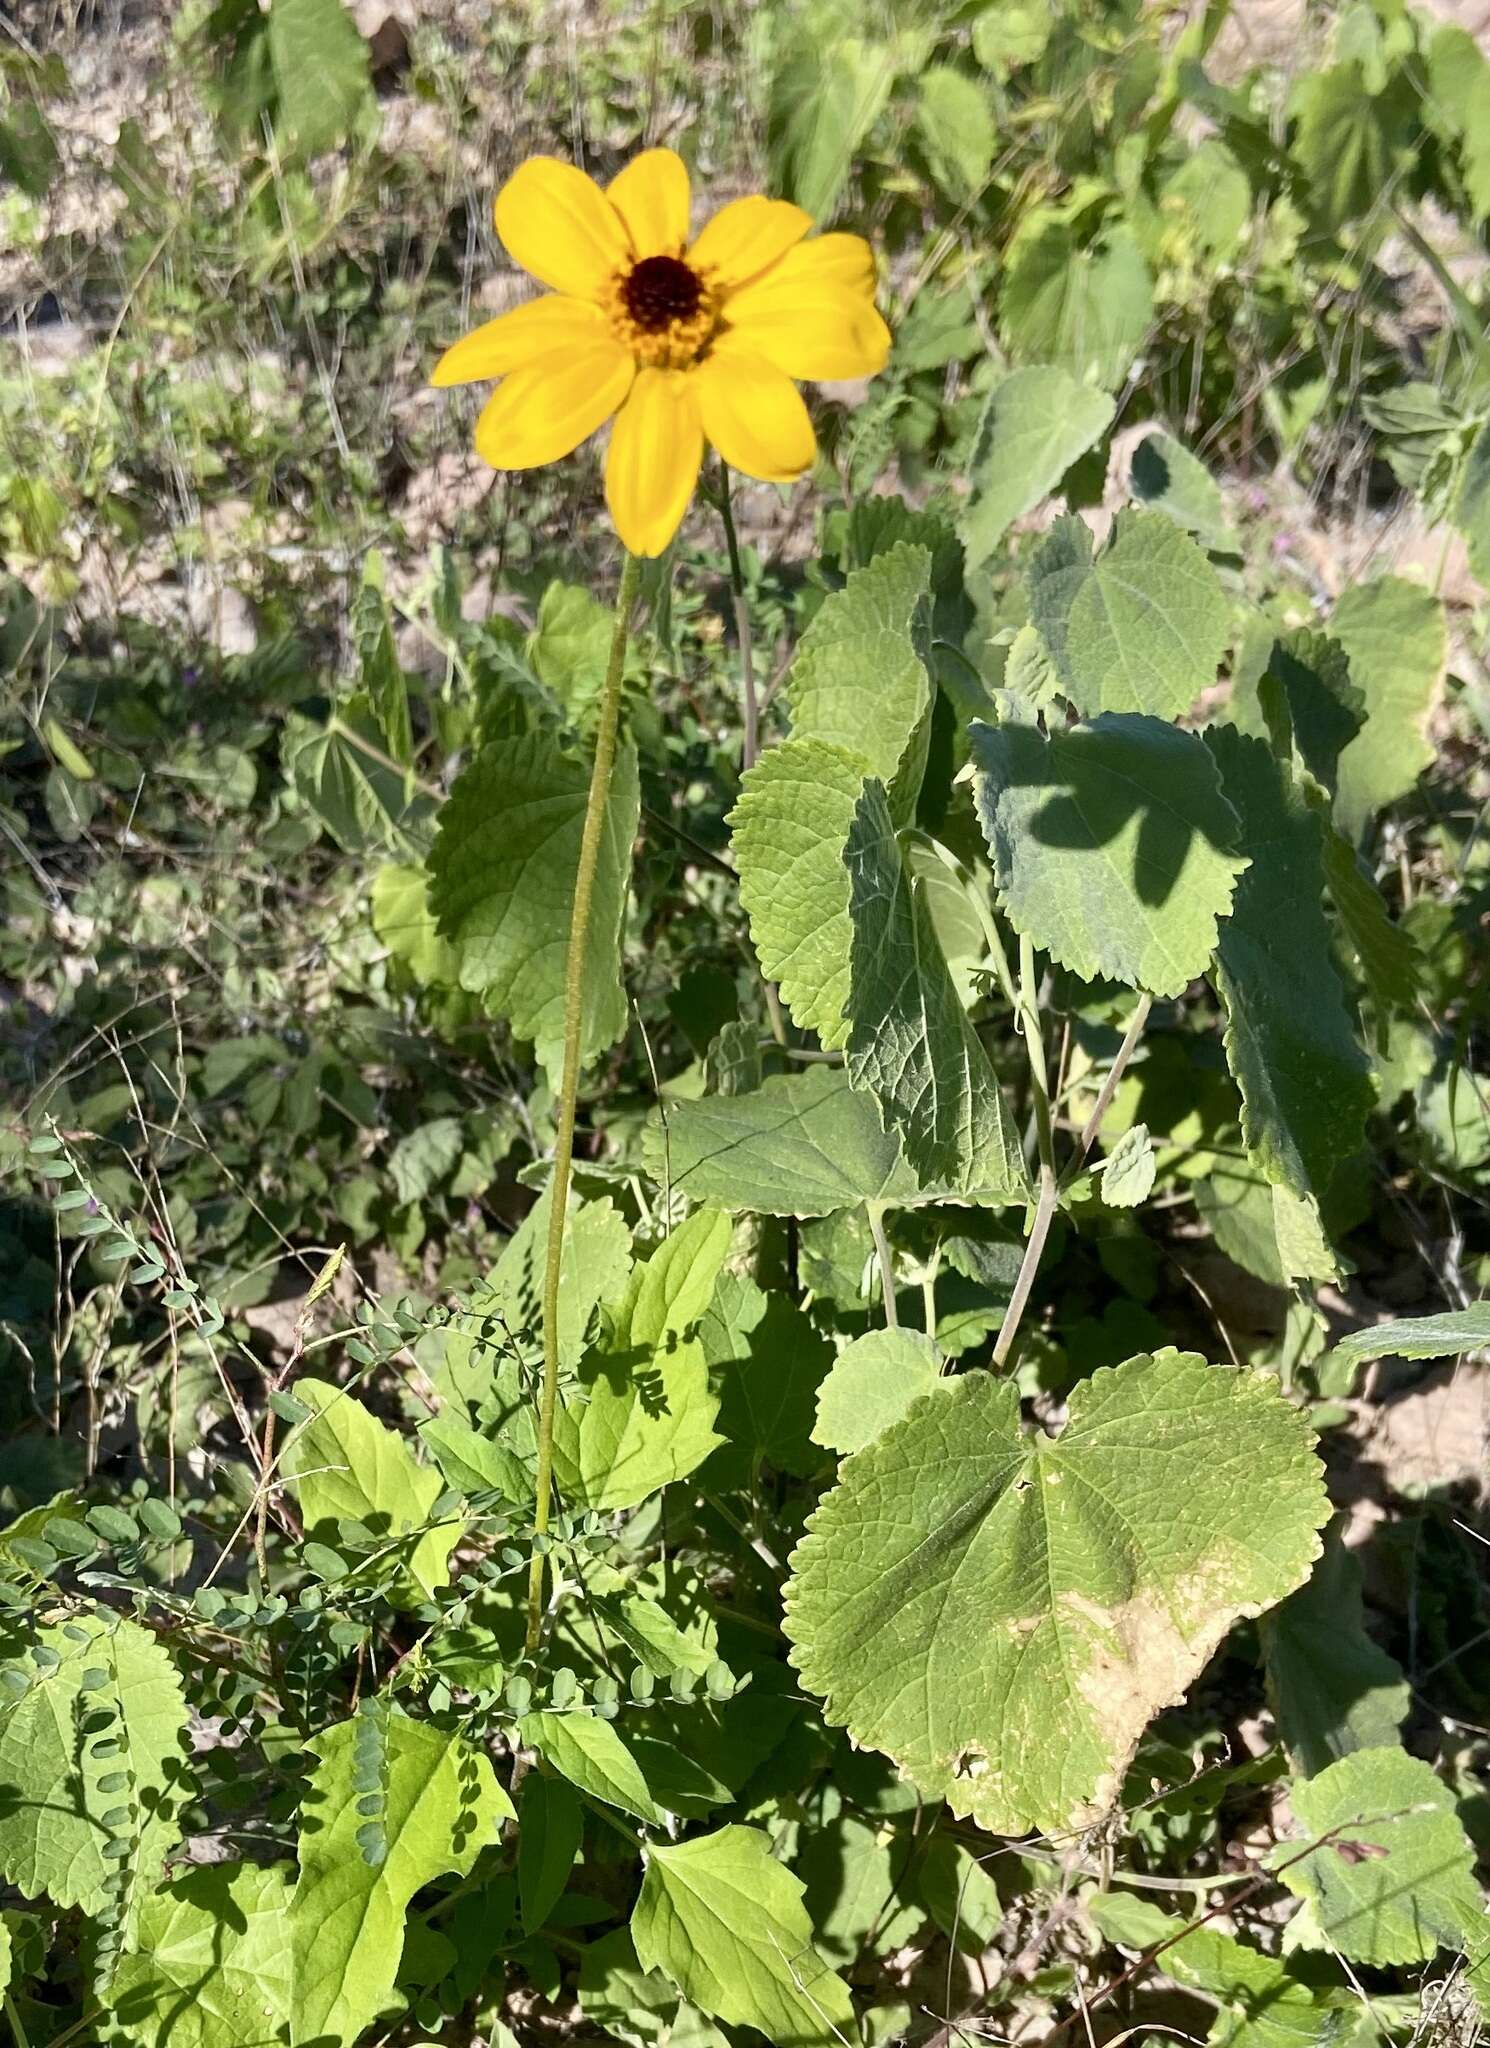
x=659, y=291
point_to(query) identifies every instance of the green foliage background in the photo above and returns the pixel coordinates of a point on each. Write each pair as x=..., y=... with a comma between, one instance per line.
x=947, y=1640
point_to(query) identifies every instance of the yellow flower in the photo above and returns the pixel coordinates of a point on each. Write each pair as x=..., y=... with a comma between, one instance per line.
x=681, y=341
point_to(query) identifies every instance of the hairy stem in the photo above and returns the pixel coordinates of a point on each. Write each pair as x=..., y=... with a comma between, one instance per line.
x=574, y=984
x=750, y=712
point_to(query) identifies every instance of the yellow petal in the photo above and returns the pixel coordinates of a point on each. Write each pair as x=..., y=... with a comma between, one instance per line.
x=561, y=228
x=747, y=237
x=845, y=260
x=543, y=411
x=754, y=416
x=809, y=330
x=525, y=335
x=656, y=447
x=651, y=196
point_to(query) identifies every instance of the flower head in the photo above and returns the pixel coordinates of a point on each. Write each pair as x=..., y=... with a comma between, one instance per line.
x=681, y=341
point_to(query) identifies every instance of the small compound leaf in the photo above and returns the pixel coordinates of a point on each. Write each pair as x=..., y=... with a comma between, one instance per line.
x=502, y=879
x=1037, y=422
x=1033, y=1602
x=789, y=831
x=722, y=1918
x=1140, y=627
x=1113, y=846
x=911, y=1044
x=1305, y=1082
x=872, y=1383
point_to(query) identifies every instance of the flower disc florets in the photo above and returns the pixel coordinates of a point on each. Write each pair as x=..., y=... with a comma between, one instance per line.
x=663, y=311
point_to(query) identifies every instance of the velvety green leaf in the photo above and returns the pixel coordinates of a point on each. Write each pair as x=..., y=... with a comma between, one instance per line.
x=214, y=1968
x=502, y=887
x=724, y=1920
x=1034, y=1601
x=826, y=94
x=911, y=1043
x=441, y=1806
x=643, y=1413
x=403, y=920
x=1394, y=636
x=590, y=1754
x=1113, y=847
x=1086, y=310
x=1388, y=955
x=1140, y=627
x=1349, y=141
x=52, y=1830
x=1167, y=478
x=1395, y=1882
x=344, y=1463
x=872, y=1383
x=1443, y=1336
x=423, y=1157
x=1010, y=34
x=768, y=1359
x=321, y=71
x=954, y=121
x=1333, y=1690
x=789, y=831
x=802, y=1144
x=1309, y=701
x=861, y=679
x=1305, y=1082
x=341, y=773
x=1127, y=1175
x=1037, y=422
x=1472, y=513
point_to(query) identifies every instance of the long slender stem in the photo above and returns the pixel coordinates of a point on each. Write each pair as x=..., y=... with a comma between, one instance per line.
x=574, y=983
x=750, y=710
x=1050, y=1185
x=750, y=703
x=1108, y=1089
x=1045, y=1201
